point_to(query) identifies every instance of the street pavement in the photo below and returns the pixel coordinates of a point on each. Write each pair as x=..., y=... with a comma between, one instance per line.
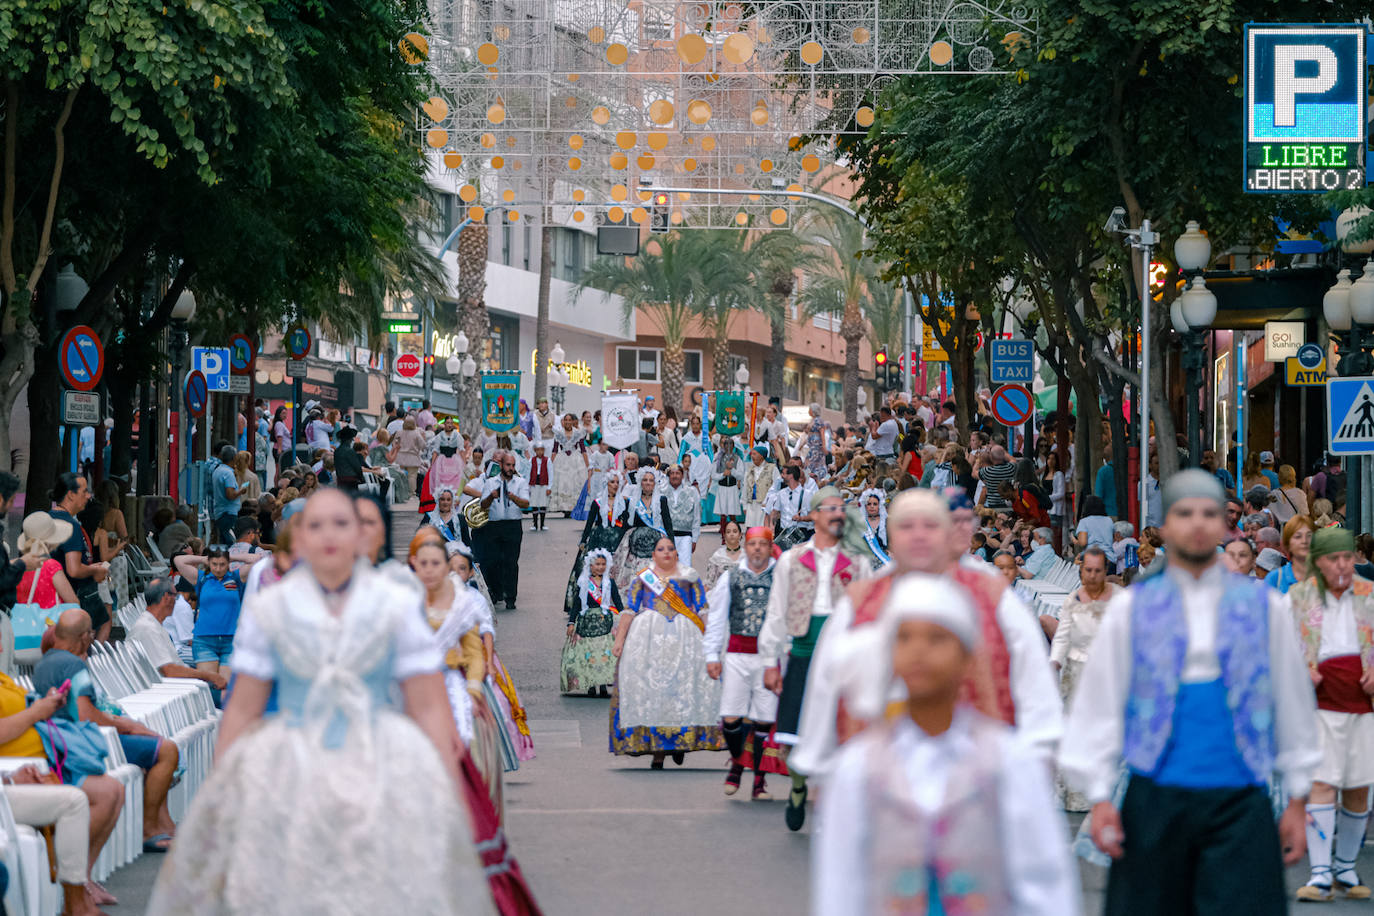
x=598, y=835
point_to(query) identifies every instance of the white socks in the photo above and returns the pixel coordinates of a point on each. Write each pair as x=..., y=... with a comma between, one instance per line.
x=1321, y=827
x=1349, y=838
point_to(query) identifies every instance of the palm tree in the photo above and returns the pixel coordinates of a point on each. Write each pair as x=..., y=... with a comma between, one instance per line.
x=472, y=317
x=665, y=285
x=844, y=282
x=776, y=257
x=728, y=288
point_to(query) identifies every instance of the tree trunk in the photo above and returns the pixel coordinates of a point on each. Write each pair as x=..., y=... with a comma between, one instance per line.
x=44, y=421
x=780, y=288
x=720, y=362
x=1161, y=413
x=852, y=331
x=673, y=371
x=1088, y=437
x=541, y=318
x=16, y=368
x=472, y=319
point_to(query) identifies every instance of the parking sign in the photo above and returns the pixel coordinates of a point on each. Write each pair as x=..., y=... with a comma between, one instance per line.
x=213, y=363
x=1305, y=103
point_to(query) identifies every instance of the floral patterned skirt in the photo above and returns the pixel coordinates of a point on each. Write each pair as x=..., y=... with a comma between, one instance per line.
x=587, y=663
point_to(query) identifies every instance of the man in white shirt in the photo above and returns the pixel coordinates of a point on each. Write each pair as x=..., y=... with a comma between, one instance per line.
x=426, y=419
x=497, y=543
x=148, y=632
x=792, y=502
x=924, y=413
x=1197, y=680
x=883, y=433
x=807, y=582
x=648, y=411
x=684, y=506
x=1154, y=501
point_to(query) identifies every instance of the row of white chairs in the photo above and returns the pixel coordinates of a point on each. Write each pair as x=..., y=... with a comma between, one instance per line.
x=181, y=709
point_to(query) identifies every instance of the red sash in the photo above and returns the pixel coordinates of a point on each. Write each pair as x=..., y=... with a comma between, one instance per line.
x=1340, y=689
x=745, y=645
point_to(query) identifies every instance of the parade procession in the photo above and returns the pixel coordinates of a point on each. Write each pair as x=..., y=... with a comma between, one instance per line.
x=689, y=457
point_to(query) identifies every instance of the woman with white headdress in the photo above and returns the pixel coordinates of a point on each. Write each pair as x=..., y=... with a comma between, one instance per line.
x=603, y=530
x=873, y=502
x=644, y=515
x=588, y=664
x=726, y=504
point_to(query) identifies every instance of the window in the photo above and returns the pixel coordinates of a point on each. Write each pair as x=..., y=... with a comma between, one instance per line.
x=691, y=367
x=635, y=364
x=573, y=251
x=443, y=216
x=791, y=384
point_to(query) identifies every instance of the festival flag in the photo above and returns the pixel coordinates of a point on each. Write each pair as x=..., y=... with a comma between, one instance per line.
x=500, y=396
x=706, y=424
x=619, y=420
x=730, y=413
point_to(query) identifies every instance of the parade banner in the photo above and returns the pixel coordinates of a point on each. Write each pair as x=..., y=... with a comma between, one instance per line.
x=620, y=420
x=706, y=425
x=730, y=413
x=500, y=396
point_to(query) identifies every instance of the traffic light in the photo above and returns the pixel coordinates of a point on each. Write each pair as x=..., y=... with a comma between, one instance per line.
x=658, y=213
x=881, y=369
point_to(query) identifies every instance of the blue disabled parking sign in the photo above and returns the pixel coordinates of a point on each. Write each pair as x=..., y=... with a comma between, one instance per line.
x=1350, y=415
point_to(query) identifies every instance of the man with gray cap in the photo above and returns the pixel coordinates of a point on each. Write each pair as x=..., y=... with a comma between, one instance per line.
x=1197, y=680
x=807, y=582
x=226, y=495
x=1334, y=613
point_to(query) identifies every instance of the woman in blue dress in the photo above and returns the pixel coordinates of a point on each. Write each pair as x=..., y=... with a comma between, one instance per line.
x=351, y=800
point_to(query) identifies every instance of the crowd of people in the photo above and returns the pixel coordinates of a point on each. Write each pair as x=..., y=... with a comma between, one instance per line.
x=859, y=623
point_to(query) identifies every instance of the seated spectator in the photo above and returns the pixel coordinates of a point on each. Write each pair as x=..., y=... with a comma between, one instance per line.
x=145, y=749
x=1006, y=566
x=42, y=535
x=978, y=545
x=1268, y=560
x=1123, y=538
x=173, y=537
x=157, y=645
x=82, y=817
x=219, y=597
x=1094, y=525
x=1042, y=556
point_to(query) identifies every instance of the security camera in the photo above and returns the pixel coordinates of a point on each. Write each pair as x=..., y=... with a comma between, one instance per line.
x=1117, y=221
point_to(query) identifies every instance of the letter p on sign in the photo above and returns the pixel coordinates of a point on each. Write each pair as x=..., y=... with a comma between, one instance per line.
x=1288, y=85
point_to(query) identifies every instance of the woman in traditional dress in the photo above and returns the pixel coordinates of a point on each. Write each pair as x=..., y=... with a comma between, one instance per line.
x=587, y=660
x=639, y=512
x=722, y=502
x=451, y=610
x=758, y=483
x=446, y=462
x=570, y=469
x=445, y=517
x=664, y=702
x=727, y=555
x=604, y=529
x=696, y=443
x=601, y=462
x=874, y=505
x=353, y=802
x=1078, y=623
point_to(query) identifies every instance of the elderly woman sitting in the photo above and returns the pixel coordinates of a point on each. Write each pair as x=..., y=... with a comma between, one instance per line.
x=83, y=816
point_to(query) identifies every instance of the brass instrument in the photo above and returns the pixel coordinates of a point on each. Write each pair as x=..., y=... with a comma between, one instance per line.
x=475, y=514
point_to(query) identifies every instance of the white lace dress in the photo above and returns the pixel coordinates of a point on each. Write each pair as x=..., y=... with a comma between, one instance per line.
x=339, y=804
x=568, y=472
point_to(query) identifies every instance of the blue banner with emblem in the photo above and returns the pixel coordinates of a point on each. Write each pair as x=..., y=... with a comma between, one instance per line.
x=500, y=397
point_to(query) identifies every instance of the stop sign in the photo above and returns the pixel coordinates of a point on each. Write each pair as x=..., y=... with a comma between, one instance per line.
x=408, y=365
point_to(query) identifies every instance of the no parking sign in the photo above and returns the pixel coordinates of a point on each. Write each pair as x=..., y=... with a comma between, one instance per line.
x=1012, y=405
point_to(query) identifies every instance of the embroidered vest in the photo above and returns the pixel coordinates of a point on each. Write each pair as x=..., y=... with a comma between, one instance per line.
x=748, y=599
x=1159, y=642
x=803, y=581
x=988, y=687
x=959, y=845
x=1309, y=607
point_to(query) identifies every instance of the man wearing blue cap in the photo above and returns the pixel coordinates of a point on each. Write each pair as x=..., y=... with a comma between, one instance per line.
x=1196, y=679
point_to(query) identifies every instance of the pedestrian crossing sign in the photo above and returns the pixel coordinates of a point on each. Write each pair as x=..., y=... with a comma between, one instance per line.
x=1350, y=415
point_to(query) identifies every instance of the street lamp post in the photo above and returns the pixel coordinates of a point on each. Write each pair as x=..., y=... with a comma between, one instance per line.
x=558, y=379
x=1142, y=239
x=1194, y=310
x=182, y=313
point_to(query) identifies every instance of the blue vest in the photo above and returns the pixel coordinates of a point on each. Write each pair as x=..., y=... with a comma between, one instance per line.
x=1220, y=734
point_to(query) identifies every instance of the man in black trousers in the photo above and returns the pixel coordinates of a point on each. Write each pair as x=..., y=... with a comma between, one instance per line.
x=505, y=497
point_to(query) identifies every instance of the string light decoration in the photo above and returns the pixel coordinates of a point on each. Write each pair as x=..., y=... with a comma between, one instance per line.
x=572, y=111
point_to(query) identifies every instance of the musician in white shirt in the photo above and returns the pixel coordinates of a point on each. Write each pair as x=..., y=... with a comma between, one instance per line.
x=497, y=543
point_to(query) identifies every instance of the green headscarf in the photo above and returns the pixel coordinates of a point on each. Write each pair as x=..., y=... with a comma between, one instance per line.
x=1328, y=541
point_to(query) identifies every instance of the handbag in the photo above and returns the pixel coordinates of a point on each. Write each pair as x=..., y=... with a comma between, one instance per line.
x=75, y=749
x=29, y=621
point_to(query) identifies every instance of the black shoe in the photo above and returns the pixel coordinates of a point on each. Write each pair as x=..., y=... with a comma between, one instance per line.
x=605, y=691
x=510, y=605
x=656, y=763
x=679, y=758
x=795, y=815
